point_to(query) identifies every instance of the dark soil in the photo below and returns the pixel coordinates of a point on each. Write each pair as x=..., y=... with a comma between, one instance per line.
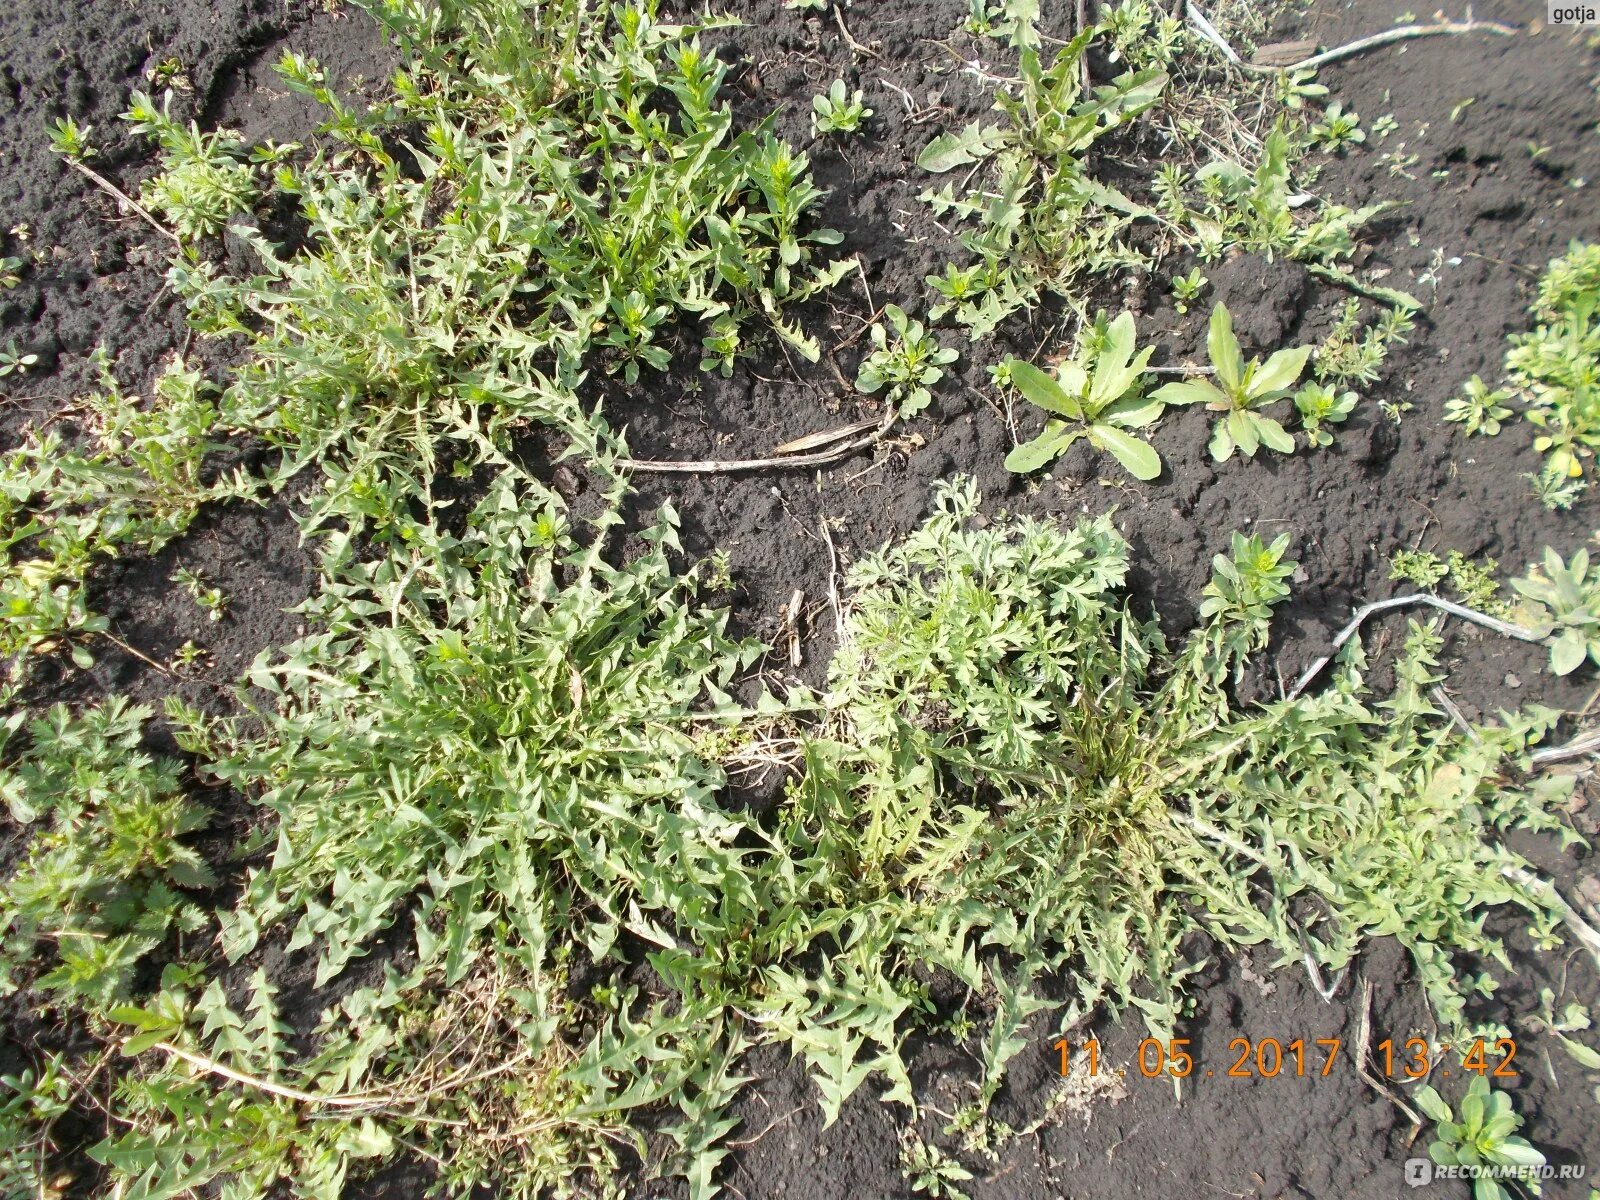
x=1480, y=216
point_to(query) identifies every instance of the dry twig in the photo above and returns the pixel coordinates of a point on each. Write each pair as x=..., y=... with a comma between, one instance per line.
x=1388, y=37
x=128, y=203
x=778, y=460
x=1378, y=606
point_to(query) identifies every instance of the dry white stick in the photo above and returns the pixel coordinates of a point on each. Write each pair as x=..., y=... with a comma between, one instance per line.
x=850, y=40
x=1378, y=606
x=793, y=614
x=213, y=1067
x=714, y=466
x=833, y=585
x=1400, y=34
x=1361, y=45
x=128, y=203
x=1586, y=933
x=1209, y=32
x=1578, y=747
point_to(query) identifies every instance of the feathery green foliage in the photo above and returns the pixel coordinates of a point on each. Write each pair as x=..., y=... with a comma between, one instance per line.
x=511, y=757
x=102, y=878
x=136, y=480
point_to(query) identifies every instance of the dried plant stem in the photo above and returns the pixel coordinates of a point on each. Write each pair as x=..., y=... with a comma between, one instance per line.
x=1578, y=747
x=1378, y=606
x=128, y=203
x=1363, y=1048
x=850, y=40
x=213, y=1067
x=1586, y=933
x=818, y=458
x=1350, y=49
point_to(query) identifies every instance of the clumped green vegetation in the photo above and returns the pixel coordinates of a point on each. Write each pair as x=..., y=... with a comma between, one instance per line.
x=905, y=362
x=1479, y=409
x=102, y=879
x=1482, y=1133
x=511, y=756
x=134, y=482
x=1553, y=374
x=1476, y=584
x=1556, y=367
x=1320, y=406
x=1563, y=597
x=1353, y=353
x=491, y=776
x=582, y=193
x=1040, y=218
x=1044, y=219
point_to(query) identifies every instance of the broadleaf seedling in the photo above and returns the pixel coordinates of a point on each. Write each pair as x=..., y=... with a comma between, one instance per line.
x=1098, y=396
x=1241, y=389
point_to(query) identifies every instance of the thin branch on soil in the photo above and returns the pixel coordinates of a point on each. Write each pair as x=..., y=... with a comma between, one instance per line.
x=858, y=334
x=1578, y=747
x=857, y=47
x=1586, y=933
x=1390, y=36
x=128, y=203
x=127, y=649
x=1449, y=706
x=714, y=466
x=1378, y=606
x=770, y=1126
x=1363, y=1047
x=1350, y=49
x=1209, y=31
x=833, y=585
x=213, y=1067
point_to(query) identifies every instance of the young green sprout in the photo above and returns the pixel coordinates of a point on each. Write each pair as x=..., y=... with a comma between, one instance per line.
x=1479, y=409
x=909, y=367
x=1481, y=1133
x=1337, y=129
x=1239, y=391
x=1564, y=598
x=12, y=359
x=213, y=599
x=1188, y=287
x=70, y=140
x=838, y=110
x=1319, y=406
